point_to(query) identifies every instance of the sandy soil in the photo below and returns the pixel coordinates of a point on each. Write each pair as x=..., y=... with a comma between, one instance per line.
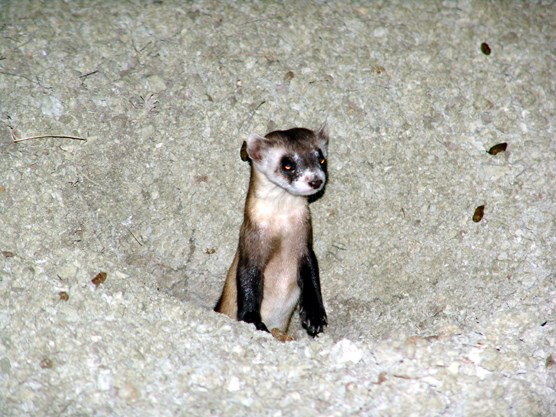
x=431, y=313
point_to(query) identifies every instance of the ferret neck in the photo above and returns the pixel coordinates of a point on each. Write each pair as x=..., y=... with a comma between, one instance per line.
x=263, y=189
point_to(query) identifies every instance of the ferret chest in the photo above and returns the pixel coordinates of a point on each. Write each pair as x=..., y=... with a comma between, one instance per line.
x=280, y=218
x=280, y=280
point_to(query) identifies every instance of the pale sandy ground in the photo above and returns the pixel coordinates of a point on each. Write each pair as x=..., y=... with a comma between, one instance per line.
x=431, y=314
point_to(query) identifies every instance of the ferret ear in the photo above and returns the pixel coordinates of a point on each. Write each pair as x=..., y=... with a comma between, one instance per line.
x=322, y=137
x=243, y=152
x=255, y=146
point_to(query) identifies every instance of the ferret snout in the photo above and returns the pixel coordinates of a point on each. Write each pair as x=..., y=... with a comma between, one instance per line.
x=315, y=184
x=315, y=180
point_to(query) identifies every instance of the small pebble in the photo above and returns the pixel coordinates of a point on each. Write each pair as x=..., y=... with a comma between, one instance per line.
x=233, y=385
x=500, y=147
x=478, y=215
x=99, y=278
x=485, y=49
x=346, y=351
x=46, y=363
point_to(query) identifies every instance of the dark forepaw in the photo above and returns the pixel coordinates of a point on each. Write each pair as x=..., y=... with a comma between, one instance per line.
x=314, y=323
x=261, y=326
x=255, y=318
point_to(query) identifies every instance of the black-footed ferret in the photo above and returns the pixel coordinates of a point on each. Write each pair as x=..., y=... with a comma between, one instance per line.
x=275, y=267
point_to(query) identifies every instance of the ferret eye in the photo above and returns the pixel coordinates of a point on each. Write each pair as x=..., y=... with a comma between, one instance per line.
x=287, y=165
x=322, y=161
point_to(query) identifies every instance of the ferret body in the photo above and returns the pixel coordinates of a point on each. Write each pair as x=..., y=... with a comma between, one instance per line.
x=275, y=267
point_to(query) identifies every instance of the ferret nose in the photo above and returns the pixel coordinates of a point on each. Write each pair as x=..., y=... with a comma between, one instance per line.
x=315, y=184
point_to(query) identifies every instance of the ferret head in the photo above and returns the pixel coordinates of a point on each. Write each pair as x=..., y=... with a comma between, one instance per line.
x=293, y=159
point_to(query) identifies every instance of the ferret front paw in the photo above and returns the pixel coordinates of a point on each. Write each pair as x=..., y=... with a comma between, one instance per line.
x=255, y=318
x=314, y=323
x=261, y=326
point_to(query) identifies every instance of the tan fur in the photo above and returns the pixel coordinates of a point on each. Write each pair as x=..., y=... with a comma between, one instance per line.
x=285, y=222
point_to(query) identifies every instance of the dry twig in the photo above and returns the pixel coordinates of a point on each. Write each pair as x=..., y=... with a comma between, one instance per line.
x=47, y=136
